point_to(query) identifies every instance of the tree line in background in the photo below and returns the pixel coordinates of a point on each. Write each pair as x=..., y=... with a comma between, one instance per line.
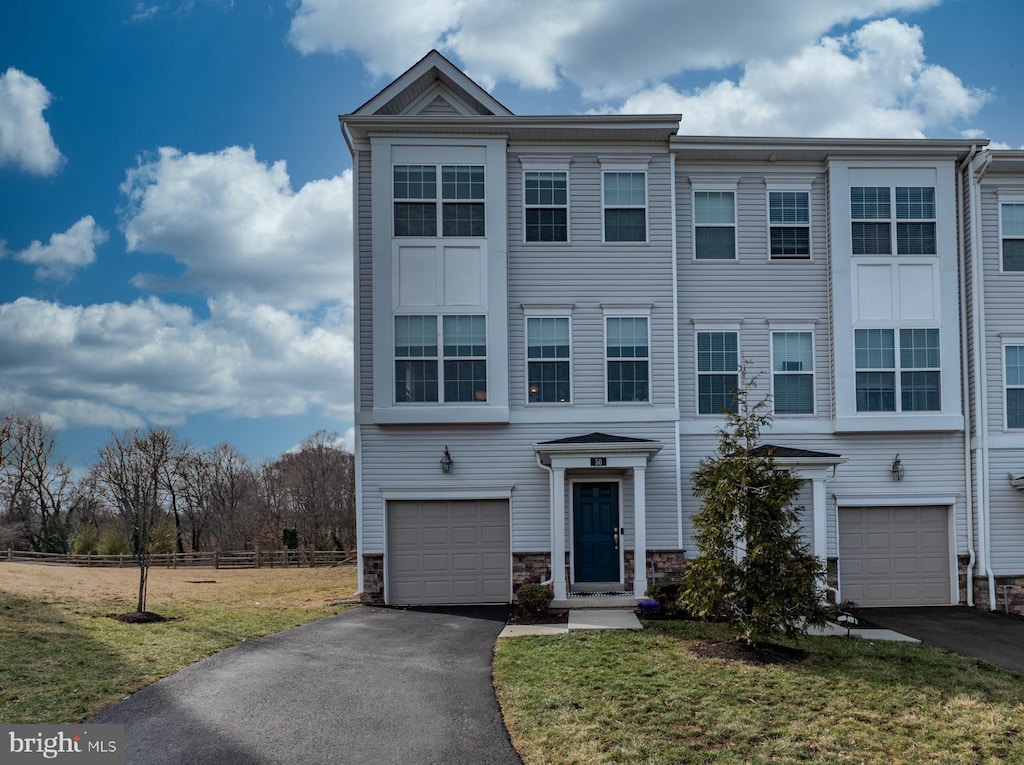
x=151, y=492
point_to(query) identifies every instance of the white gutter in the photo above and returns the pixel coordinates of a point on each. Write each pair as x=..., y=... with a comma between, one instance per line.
x=980, y=359
x=965, y=372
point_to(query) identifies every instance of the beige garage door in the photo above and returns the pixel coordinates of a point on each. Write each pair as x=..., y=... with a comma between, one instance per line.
x=894, y=556
x=442, y=553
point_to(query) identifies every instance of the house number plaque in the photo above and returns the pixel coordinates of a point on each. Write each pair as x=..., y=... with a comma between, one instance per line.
x=598, y=462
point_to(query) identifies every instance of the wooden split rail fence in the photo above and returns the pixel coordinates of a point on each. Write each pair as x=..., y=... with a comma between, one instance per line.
x=218, y=560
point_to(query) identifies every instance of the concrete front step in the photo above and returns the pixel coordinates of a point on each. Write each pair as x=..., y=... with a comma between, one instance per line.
x=579, y=621
x=596, y=601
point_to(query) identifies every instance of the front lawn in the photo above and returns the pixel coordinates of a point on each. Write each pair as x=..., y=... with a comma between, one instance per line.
x=627, y=697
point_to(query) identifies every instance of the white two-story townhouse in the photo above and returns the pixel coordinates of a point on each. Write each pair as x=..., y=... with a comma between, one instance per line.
x=992, y=186
x=552, y=313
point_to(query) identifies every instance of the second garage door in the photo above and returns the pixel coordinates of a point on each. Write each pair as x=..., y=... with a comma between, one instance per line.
x=894, y=556
x=448, y=552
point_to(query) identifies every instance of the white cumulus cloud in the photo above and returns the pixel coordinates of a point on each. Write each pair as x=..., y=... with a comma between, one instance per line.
x=124, y=365
x=606, y=47
x=874, y=82
x=238, y=227
x=65, y=252
x=25, y=139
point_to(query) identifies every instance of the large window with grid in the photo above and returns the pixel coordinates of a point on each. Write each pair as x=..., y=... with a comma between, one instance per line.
x=887, y=220
x=627, y=355
x=789, y=222
x=1014, y=356
x=547, y=360
x=1011, y=222
x=793, y=372
x=718, y=366
x=457, y=374
x=912, y=385
x=546, y=198
x=714, y=222
x=420, y=212
x=625, y=206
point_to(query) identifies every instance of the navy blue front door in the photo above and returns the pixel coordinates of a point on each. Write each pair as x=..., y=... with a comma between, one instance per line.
x=595, y=523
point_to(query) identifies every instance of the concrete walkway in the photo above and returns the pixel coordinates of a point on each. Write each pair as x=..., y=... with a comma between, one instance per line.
x=579, y=620
x=372, y=685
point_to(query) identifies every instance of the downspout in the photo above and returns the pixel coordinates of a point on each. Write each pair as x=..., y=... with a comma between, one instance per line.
x=675, y=356
x=829, y=588
x=551, y=512
x=980, y=359
x=965, y=372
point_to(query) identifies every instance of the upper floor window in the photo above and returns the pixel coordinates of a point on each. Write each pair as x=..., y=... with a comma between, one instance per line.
x=917, y=386
x=718, y=366
x=547, y=360
x=1014, y=386
x=789, y=219
x=627, y=351
x=714, y=221
x=625, y=206
x=417, y=211
x=793, y=372
x=876, y=231
x=460, y=371
x=547, y=206
x=1012, y=230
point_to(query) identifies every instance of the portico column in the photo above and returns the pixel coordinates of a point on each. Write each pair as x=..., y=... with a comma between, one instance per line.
x=558, y=534
x=639, y=532
x=819, y=506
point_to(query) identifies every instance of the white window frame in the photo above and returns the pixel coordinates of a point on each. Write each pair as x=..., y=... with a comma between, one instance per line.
x=440, y=358
x=627, y=312
x=799, y=187
x=894, y=221
x=703, y=327
x=897, y=370
x=565, y=315
x=548, y=165
x=808, y=329
x=1004, y=199
x=439, y=200
x=620, y=165
x=1010, y=341
x=717, y=185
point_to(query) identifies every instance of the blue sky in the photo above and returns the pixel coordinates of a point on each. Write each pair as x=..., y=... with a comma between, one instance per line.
x=175, y=233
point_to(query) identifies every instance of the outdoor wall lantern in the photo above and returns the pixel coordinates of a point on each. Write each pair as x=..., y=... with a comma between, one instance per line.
x=447, y=463
x=897, y=469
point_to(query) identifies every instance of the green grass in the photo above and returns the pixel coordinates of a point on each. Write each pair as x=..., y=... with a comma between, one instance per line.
x=622, y=697
x=64, y=658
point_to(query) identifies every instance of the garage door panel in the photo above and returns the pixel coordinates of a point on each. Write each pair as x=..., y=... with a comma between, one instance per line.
x=443, y=552
x=894, y=556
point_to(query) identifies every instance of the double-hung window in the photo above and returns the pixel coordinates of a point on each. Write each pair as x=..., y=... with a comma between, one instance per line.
x=718, y=366
x=625, y=206
x=714, y=222
x=911, y=386
x=1011, y=221
x=877, y=231
x=793, y=372
x=546, y=198
x=627, y=354
x=417, y=211
x=1014, y=356
x=458, y=373
x=547, y=360
x=789, y=221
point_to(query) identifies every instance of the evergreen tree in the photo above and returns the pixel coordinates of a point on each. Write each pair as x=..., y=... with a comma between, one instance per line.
x=754, y=570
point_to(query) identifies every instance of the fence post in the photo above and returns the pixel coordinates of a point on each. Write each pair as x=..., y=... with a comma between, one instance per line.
x=312, y=557
x=258, y=557
x=88, y=559
x=216, y=559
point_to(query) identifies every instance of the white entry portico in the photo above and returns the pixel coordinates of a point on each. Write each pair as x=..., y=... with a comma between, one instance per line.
x=596, y=456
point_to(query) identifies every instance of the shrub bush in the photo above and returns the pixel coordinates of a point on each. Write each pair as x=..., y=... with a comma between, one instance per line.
x=534, y=598
x=667, y=594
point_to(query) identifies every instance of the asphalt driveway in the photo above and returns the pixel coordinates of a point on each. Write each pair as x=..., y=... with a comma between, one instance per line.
x=995, y=638
x=371, y=685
